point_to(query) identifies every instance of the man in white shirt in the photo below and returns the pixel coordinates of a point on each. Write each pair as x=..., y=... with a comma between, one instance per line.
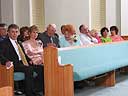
x=85, y=36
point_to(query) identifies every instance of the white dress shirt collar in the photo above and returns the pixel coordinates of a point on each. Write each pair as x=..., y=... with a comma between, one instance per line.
x=15, y=47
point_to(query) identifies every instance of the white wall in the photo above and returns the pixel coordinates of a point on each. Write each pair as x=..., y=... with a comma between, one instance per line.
x=15, y=11
x=0, y=11
x=124, y=17
x=60, y=12
x=110, y=13
x=22, y=12
x=118, y=14
x=7, y=11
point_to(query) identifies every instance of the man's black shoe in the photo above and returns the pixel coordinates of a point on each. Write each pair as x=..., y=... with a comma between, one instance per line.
x=17, y=92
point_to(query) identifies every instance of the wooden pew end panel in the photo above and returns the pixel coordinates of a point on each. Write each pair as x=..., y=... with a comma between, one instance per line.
x=58, y=78
x=6, y=81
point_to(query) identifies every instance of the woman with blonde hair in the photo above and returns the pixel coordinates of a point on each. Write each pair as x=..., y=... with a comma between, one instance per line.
x=34, y=50
x=94, y=34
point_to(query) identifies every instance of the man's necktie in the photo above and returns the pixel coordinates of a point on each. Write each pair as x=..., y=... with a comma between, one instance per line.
x=22, y=55
x=51, y=40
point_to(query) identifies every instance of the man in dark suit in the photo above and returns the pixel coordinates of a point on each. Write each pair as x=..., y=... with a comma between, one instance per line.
x=3, y=31
x=49, y=37
x=9, y=52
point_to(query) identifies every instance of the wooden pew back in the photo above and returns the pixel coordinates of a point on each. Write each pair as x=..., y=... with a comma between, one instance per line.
x=6, y=81
x=58, y=78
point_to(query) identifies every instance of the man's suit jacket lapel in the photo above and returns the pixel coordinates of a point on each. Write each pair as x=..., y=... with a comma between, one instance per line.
x=12, y=50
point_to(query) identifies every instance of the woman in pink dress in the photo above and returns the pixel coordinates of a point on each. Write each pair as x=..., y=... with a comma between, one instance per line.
x=114, y=34
x=34, y=50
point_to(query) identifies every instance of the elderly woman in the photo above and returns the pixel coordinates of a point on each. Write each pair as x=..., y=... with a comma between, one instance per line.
x=69, y=37
x=114, y=34
x=94, y=34
x=104, y=35
x=34, y=50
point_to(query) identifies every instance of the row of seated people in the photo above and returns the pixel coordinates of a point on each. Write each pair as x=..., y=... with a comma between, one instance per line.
x=87, y=37
x=32, y=44
x=70, y=38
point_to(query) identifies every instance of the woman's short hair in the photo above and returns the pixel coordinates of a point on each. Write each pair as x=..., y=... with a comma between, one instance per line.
x=93, y=31
x=12, y=26
x=33, y=27
x=103, y=29
x=69, y=28
x=114, y=28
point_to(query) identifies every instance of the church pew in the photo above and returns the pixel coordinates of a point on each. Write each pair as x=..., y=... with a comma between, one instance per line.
x=93, y=60
x=58, y=78
x=6, y=81
x=88, y=62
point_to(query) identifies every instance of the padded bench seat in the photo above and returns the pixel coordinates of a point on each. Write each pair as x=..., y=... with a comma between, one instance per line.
x=18, y=76
x=89, y=61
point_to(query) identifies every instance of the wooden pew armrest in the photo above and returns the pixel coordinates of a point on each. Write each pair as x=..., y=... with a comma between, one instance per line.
x=65, y=65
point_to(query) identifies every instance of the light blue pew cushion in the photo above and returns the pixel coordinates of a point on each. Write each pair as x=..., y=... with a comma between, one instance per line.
x=18, y=76
x=95, y=60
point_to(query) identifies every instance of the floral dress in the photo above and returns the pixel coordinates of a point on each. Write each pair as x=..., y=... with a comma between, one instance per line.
x=34, y=53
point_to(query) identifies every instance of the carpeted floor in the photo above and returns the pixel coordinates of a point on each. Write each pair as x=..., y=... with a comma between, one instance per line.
x=120, y=89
